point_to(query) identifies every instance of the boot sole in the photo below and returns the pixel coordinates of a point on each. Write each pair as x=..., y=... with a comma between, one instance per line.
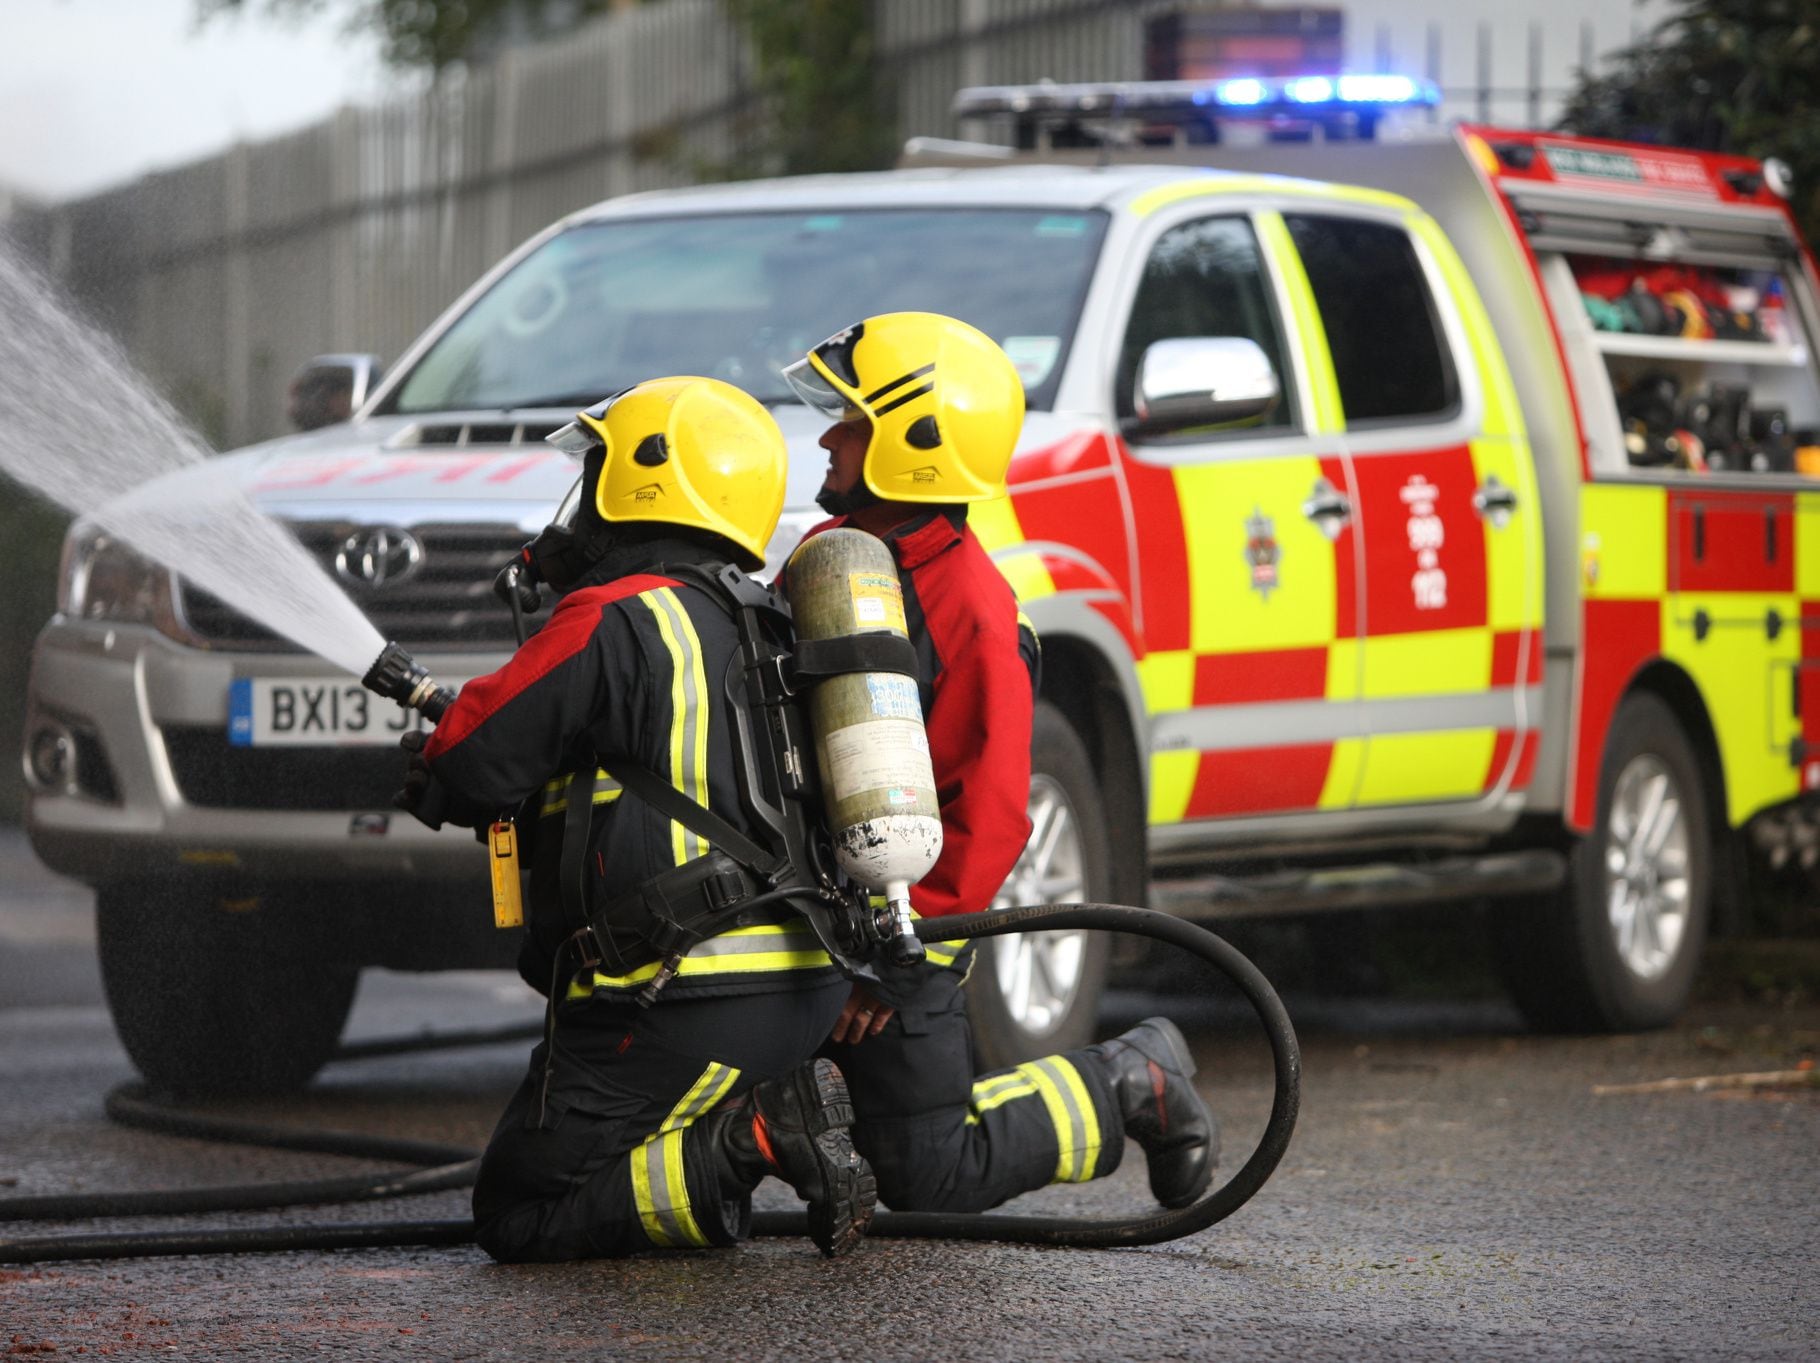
x=839, y=1219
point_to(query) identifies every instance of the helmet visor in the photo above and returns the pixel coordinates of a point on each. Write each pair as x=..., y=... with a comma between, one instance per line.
x=564, y=519
x=574, y=440
x=807, y=383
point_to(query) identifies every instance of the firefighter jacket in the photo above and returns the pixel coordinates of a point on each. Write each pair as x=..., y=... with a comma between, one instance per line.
x=630, y=667
x=977, y=660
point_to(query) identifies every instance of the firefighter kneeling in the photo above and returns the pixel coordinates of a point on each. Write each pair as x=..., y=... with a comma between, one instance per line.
x=638, y=1126
x=926, y=412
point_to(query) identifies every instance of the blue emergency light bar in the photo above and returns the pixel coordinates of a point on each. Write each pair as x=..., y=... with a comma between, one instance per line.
x=1184, y=101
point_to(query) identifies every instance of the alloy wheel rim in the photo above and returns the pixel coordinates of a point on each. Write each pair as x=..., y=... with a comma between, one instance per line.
x=1039, y=973
x=1647, y=872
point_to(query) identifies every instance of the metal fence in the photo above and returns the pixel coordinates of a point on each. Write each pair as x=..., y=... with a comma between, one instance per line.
x=224, y=275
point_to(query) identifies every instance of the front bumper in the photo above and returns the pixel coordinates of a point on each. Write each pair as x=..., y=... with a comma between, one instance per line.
x=157, y=790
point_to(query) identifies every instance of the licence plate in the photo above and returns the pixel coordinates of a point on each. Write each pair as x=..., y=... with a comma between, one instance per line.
x=301, y=712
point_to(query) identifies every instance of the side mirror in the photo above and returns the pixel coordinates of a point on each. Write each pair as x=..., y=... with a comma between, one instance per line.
x=330, y=388
x=1204, y=381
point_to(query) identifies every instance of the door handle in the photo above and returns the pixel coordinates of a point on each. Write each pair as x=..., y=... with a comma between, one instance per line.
x=1495, y=502
x=1328, y=508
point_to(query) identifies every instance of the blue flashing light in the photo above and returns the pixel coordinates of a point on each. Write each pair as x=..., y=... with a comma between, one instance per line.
x=1377, y=90
x=1243, y=92
x=1304, y=98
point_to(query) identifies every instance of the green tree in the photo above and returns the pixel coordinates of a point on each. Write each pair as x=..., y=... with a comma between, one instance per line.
x=1721, y=75
x=435, y=34
x=824, y=106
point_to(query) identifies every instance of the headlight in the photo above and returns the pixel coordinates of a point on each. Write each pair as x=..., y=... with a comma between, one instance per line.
x=102, y=579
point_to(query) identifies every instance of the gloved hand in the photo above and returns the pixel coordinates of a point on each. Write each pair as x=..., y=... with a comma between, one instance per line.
x=416, y=772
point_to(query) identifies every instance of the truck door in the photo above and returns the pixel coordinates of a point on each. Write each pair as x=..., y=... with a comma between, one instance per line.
x=1246, y=552
x=1447, y=507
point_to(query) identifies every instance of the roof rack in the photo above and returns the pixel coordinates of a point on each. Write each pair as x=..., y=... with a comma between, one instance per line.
x=1163, y=112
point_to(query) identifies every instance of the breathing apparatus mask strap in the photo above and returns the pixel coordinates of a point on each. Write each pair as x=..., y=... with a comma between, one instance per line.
x=575, y=539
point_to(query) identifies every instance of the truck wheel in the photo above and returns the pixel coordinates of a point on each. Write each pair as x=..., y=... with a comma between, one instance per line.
x=218, y=998
x=1037, y=993
x=1617, y=950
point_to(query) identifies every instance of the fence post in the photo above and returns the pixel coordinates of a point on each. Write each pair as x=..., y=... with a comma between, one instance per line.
x=1484, y=65
x=1535, y=74
x=974, y=15
x=237, y=294
x=1432, y=62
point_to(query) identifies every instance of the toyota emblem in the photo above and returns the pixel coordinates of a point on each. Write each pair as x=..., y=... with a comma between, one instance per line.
x=377, y=555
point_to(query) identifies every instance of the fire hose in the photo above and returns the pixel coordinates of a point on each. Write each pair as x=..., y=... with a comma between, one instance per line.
x=438, y=1167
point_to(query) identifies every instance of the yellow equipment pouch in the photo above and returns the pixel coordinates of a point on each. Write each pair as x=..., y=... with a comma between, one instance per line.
x=502, y=848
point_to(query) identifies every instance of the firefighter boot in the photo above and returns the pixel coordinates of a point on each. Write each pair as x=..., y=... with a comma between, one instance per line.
x=1149, y=1069
x=796, y=1128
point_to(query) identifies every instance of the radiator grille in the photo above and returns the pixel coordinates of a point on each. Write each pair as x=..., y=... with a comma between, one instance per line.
x=446, y=602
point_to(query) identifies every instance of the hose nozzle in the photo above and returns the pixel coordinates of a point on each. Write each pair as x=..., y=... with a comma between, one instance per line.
x=397, y=676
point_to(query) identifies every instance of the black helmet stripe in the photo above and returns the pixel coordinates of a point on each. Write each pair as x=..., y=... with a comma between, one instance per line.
x=878, y=393
x=902, y=398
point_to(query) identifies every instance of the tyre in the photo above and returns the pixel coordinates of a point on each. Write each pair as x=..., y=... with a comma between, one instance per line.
x=216, y=997
x=1037, y=993
x=1618, y=947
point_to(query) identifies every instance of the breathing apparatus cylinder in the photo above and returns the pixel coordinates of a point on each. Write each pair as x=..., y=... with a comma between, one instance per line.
x=878, y=787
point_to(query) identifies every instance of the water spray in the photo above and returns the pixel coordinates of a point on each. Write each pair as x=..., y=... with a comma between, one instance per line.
x=136, y=470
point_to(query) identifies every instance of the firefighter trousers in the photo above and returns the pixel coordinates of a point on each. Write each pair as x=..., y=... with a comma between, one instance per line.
x=941, y=1140
x=606, y=1160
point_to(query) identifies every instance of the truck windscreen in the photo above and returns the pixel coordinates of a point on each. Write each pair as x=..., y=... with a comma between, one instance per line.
x=740, y=296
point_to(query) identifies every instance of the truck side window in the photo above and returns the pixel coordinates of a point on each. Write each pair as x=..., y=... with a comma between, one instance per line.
x=1205, y=278
x=1389, y=355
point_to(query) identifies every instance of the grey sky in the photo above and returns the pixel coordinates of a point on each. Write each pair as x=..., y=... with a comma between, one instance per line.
x=93, y=92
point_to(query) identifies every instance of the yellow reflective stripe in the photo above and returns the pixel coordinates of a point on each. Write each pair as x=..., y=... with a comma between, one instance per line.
x=702, y=1097
x=556, y=793
x=1071, y=1113
x=688, y=714
x=1329, y=416
x=739, y=951
x=1000, y=1089
x=661, y=1193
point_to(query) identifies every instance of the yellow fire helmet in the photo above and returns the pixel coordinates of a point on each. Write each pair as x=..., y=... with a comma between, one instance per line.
x=691, y=452
x=945, y=403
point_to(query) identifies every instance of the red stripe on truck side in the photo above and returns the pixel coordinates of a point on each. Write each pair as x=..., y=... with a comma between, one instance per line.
x=1620, y=637
x=1259, y=780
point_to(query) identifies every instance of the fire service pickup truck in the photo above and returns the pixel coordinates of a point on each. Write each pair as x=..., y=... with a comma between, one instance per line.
x=1440, y=524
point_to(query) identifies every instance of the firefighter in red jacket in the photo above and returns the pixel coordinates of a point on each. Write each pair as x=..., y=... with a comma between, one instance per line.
x=927, y=412
x=643, y=1127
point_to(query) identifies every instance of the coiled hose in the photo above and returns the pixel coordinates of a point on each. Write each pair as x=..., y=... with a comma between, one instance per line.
x=442, y=1167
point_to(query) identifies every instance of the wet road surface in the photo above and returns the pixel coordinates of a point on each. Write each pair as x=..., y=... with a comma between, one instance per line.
x=1455, y=1189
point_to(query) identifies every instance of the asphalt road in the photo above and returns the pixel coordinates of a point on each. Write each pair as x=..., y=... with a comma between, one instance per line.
x=1456, y=1189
